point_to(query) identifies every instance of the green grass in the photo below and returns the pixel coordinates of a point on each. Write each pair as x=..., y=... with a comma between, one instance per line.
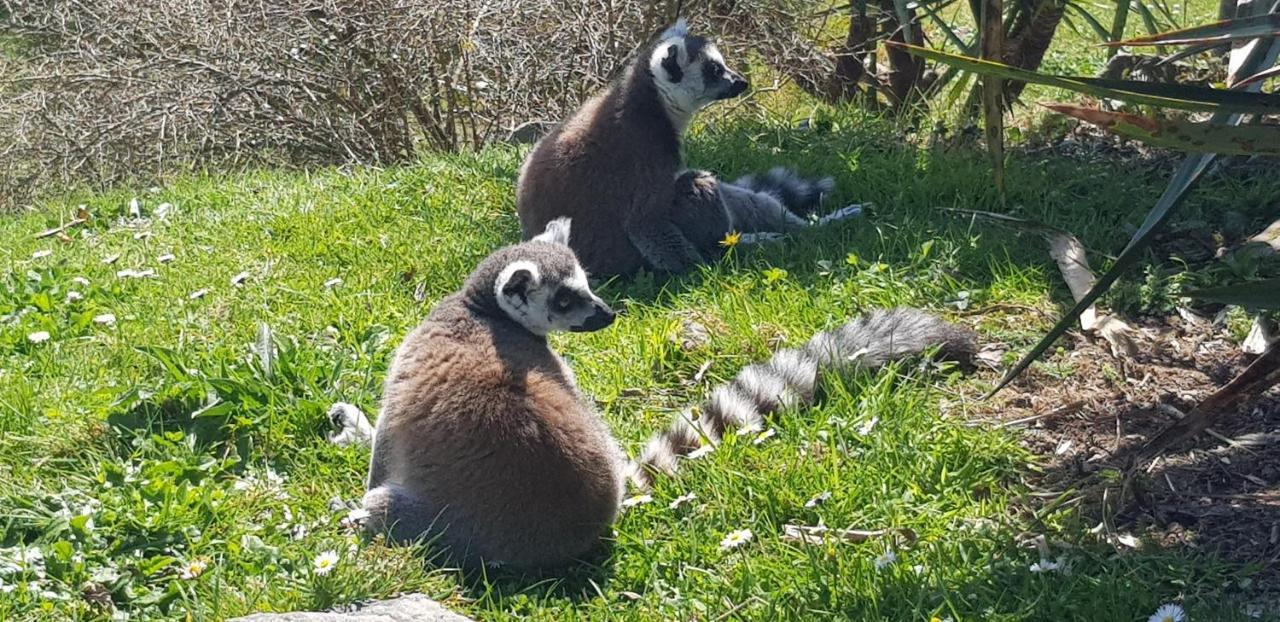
x=105, y=470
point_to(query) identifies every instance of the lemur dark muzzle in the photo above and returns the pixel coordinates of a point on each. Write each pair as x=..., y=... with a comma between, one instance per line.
x=601, y=318
x=737, y=86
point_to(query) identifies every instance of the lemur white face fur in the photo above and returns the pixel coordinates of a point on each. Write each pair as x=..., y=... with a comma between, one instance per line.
x=546, y=289
x=690, y=73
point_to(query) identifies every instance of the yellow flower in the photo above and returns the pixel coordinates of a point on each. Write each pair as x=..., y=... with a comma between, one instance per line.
x=731, y=239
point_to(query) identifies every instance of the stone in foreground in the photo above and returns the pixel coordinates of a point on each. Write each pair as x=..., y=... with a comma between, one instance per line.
x=412, y=608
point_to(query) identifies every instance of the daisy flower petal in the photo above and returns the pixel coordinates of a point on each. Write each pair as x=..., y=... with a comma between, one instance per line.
x=326, y=562
x=1168, y=612
x=886, y=559
x=735, y=539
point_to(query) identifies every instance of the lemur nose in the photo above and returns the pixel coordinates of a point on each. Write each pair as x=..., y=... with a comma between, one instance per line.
x=738, y=85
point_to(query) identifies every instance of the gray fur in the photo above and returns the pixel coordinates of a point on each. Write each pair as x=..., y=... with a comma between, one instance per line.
x=800, y=195
x=791, y=376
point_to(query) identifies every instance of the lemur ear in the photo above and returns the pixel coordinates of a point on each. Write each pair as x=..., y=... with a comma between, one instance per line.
x=671, y=64
x=557, y=232
x=517, y=283
x=678, y=29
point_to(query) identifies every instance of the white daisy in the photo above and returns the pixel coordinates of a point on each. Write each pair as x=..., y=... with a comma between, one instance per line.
x=74, y=296
x=238, y=279
x=918, y=569
x=735, y=539
x=193, y=569
x=106, y=319
x=886, y=559
x=681, y=500
x=326, y=562
x=868, y=426
x=1046, y=565
x=332, y=283
x=38, y=337
x=166, y=258
x=1168, y=612
x=633, y=501
x=81, y=281
x=41, y=254
x=199, y=293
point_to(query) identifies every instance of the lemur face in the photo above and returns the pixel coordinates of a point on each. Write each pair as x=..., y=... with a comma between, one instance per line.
x=690, y=72
x=545, y=289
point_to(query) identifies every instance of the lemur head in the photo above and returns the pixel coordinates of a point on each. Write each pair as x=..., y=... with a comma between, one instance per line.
x=690, y=73
x=541, y=285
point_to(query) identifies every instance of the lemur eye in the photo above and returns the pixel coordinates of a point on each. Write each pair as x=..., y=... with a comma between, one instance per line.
x=563, y=301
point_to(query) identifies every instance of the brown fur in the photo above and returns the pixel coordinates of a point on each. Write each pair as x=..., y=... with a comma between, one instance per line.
x=609, y=167
x=485, y=444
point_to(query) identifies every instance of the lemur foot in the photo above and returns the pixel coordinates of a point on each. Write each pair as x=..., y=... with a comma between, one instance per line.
x=352, y=425
x=844, y=213
x=761, y=237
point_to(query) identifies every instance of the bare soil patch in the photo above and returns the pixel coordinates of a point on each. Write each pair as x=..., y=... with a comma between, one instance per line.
x=1088, y=414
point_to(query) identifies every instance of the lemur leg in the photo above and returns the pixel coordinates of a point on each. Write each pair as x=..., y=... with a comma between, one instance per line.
x=664, y=246
x=699, y=212
x=395, y=511
x=352, y=426
x=844, y=213
x=763, y=237
x=687, y=231
x=758, y=212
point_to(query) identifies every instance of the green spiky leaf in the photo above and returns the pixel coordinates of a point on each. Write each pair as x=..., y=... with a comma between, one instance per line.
x=1263, y=294
x=1180, y=135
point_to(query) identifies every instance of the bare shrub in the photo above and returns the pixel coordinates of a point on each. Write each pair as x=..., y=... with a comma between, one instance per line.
x=98, y=91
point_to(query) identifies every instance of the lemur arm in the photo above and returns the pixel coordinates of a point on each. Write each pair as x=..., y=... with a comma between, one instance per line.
x=663, y=245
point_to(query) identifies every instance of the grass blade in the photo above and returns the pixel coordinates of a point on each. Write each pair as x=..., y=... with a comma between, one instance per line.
x=1118, y=22
x=1094, y=24
x=1180, y=135
x=1148, y=21
x=962, y=45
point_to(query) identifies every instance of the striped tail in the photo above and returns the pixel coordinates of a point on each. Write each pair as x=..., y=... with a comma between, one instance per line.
x=799, y=194
x=790, y=377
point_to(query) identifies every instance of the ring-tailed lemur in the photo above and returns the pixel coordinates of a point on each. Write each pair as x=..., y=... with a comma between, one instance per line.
x=486, y=446
x=484, y=442
x=610, y=167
